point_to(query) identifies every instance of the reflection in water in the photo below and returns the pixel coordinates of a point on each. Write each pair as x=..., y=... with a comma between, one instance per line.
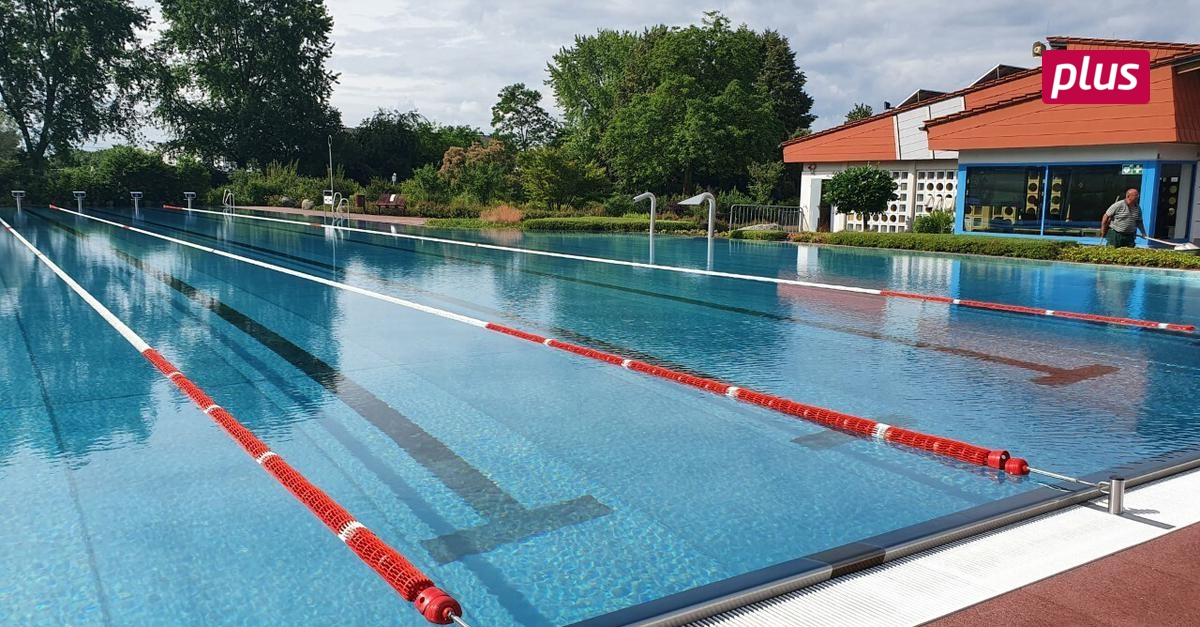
x=101, y=391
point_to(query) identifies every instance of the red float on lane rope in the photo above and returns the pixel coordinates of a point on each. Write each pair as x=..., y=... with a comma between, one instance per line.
x=406, y=579
x=1054, y=313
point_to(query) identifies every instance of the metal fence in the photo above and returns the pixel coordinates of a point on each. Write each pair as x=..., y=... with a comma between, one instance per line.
x=788, y=218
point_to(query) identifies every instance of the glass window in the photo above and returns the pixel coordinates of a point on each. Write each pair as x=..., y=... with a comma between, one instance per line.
x=1079, y=195
x=1004, y=200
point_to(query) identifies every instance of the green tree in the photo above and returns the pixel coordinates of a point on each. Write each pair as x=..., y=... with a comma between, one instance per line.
x=387, y=142
x=425, y=185
x=684, y=107
x=587, y=77
x=247, y=81
x=859, y=111
x=764, y=178
x=784, y=84
x=436, y=139
x=482, y=172
x=551, y=176
x=71, y=70
x=519, y=118
x=10, y=140
x=865, y=190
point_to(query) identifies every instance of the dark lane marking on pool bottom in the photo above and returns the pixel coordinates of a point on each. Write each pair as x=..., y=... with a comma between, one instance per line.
x=1054, y=376
x=508, y=520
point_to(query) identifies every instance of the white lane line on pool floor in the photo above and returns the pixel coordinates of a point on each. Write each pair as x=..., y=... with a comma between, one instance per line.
x=406, y=579
x=970, y=304
x=926, y=586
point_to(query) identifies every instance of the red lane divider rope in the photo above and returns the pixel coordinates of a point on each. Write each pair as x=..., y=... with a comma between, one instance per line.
x=406, y=579
x=1036, y=311
x=1017, y=309
x=962, y=451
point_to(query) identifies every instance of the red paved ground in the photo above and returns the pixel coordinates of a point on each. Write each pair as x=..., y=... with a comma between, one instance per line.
x=408, y=220
x=1156, y=583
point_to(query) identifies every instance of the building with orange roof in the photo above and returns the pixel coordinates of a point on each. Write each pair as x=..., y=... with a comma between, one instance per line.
x=1006, y=163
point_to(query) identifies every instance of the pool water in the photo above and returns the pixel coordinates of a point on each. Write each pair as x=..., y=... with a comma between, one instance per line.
x=538, y=487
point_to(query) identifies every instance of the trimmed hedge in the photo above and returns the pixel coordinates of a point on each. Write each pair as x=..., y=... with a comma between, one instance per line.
x=1157, y=258
x=1051, y=250
x=607, y=225
x=468, y=223
x=773, y=236
x=966, y=244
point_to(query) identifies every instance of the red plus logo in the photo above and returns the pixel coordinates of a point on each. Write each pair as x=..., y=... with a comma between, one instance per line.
x=1096, y=77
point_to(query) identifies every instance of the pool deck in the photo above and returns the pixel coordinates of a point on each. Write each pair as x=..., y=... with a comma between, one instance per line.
x=1156, y=583
x=1078, y=566
x=405, y=220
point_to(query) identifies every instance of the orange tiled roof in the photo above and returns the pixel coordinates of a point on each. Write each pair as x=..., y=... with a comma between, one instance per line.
x=1184, y=53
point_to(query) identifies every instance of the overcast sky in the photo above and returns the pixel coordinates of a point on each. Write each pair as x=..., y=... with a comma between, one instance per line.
x=448, y=58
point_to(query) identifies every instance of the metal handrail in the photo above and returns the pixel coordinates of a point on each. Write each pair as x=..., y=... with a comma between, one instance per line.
x=752, y=213
x=227, y=201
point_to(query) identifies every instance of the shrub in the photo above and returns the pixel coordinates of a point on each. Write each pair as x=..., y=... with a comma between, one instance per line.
x=534, y=214
x=773, y=236
x=865, y=190
x=1131, y=256
x=277, y=183
x=468, y=223
x=934, y=222
x=430, y=209
x=978, y=245
x=502, y=214
x=425, y=185
x=620, y=204
x=604, y=224
x=725, y=200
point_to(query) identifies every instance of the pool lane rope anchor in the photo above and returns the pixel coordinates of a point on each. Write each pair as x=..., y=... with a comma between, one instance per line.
x=954, y=302
x=414, y=586
x=962, y=451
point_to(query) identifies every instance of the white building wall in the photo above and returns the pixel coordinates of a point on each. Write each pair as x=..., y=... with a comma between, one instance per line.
x=911, y=141
x=917, y=185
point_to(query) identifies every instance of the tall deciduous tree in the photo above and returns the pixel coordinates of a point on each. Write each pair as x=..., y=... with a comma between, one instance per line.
x=388, y=142
x=680, y=106
x=10, y=141
x=247, y=81
x=552, y=177
x=71, y=70
x=518, y=118
x=764, y=178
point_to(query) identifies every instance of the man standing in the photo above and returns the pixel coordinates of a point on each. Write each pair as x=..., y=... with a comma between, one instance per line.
x=1122, y=222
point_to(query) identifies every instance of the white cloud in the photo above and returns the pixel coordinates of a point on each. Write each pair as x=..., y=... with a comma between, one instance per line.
x=450, y=58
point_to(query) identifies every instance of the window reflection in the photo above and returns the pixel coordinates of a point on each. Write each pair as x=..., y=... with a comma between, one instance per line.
x=1079, y=196
x=1003, y=200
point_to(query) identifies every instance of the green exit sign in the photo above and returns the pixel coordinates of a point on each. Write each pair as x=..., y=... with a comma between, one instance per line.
x=1131, y=168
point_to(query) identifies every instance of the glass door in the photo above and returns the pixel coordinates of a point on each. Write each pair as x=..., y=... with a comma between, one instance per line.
x=1167, y=215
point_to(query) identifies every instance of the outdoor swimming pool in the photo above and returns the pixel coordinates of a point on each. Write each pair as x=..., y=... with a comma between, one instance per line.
x=538, y=487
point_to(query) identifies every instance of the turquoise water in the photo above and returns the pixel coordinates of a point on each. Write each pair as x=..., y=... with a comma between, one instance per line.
x=538, y=487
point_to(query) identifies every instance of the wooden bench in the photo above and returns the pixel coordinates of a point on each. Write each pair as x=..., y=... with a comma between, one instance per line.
x=390, y=201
